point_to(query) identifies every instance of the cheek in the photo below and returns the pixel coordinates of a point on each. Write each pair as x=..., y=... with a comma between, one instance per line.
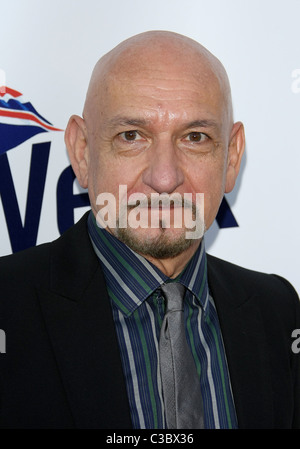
x=98, y=178
x=210, y=180
x=106, y=175
x=102, y=179
x=208, y=177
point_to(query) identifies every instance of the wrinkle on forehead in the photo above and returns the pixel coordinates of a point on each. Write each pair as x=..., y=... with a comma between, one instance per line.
x=151, y=55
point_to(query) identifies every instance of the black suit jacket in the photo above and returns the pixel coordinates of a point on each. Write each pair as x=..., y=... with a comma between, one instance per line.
x=62, y=367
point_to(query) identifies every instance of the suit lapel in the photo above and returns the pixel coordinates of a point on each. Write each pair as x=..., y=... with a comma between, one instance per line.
x=245, y=345
x=78, y=317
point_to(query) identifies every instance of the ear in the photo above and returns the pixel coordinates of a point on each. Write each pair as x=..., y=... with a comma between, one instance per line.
x=76, y=143
x=235, y=152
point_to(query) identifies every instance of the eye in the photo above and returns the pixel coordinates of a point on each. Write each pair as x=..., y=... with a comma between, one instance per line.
x=130, y=143
x=196, y=136
x=130, y=136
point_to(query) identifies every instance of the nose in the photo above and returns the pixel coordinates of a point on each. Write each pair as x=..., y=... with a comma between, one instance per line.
x=163, y=173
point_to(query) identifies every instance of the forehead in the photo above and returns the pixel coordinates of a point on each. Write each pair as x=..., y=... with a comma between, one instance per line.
x=164, y=79
x=164, y=94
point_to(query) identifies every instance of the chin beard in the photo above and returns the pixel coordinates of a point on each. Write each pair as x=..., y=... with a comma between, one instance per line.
x=164, y=243
x=162, y=246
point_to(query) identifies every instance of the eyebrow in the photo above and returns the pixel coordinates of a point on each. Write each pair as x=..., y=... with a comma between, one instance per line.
x=202, y=124
x=127, y=121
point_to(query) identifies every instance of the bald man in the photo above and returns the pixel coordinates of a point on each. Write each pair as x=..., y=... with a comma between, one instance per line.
x=85, y=316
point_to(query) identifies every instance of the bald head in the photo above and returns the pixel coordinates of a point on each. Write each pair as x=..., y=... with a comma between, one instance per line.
x=154, y=51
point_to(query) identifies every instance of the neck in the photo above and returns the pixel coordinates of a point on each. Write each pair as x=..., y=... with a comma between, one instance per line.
x=172, y=267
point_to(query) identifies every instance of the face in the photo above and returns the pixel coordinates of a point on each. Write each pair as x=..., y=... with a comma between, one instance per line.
x=160, y=130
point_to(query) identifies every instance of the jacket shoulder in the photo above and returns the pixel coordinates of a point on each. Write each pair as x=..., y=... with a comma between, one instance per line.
x=35, y=262
x=20, y=264
x=249, y=281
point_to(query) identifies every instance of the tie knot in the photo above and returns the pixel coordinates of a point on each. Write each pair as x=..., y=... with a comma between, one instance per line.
x=174, y=294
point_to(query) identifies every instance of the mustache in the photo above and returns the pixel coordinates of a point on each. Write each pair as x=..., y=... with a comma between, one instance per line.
x=161, y=200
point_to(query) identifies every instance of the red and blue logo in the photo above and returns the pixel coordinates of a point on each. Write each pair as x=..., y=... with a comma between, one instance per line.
x=19, y=120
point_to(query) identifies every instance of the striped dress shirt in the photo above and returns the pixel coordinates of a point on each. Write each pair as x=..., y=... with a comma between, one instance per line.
x=133, y=285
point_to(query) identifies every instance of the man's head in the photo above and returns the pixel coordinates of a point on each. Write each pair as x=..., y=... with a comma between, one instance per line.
x=157, y=119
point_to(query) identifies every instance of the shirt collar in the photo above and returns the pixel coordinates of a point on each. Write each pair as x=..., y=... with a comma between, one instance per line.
x=131, y=278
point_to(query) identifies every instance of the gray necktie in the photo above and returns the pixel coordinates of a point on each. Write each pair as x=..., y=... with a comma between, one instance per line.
x=180, y=382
